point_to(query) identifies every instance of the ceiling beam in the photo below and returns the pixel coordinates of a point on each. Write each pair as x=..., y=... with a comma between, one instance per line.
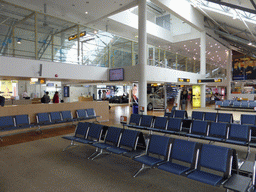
x=27, y=17
x=253, y=3
x=233, y=6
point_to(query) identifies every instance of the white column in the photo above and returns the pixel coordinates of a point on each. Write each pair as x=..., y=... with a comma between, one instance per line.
x=203, y=87
x=229, y=75
x=203, y=65
x=142, y=54
x=203, y=54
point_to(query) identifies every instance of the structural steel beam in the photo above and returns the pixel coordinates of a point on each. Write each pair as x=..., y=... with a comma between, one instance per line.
x=233, y=6
x=24, y=19
x=253, y=3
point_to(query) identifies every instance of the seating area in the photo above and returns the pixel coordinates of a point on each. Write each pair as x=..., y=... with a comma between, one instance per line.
x=236, y=105
x=213, y=127
x=8, y=123
x=205, y=163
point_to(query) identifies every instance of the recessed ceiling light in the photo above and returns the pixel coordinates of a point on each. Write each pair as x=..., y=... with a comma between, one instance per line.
x=86, y=12
x=95, y=32
x=196, y=43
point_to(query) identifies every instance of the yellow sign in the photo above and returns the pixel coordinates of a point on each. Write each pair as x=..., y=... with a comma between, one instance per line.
x=217, y=80
x=75, y=36
x=196, y=99
x=6, y=89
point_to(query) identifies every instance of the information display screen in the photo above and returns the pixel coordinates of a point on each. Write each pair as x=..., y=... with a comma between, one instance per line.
x=116, y=74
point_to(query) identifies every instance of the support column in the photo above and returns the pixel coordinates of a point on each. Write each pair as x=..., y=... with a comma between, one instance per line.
x=36, y=37
x=78, y=45
x=203, y=54
x=203, y=65
x=142, y=55
x=229, y=73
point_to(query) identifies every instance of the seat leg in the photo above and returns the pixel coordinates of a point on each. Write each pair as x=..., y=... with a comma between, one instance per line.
x=39, y=129
x=248, y=153
x=211, y=142
x=141, y=169
x=71, y=144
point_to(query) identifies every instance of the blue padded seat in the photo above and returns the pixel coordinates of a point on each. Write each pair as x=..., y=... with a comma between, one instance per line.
x=199, y=129
x=198, y=115
x=217, y=131
x=238, y=134
x=174, y=125
x=7, y=123
x=43, y=118
x=245, y=104
x=248, y=119
x=220, y=103
x=215, y=158
x=111, y=139
x=67, y=116
x=225, y=118
x=169, y=114
x=81, y=114
x=158, y=145
x=252, y=105
x=160, y=123
x=94, y=134
x=237, y=104
x=180, y=114
x=22, y=121
x=146, y=122
x=226, y=103
x=56, y=117
x=127, y=143
x=134, y=120
x=232, y=102
x=80, y=132
x=209, y=116
x=90, y=112
x=183, y=151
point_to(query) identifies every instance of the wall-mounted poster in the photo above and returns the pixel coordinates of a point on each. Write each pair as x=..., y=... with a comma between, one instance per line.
x=244, y=68
x=66, y=91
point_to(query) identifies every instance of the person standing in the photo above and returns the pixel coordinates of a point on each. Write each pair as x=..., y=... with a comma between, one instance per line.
x=2, y=101
x=46, y=98
x=99, y=92
x=56, y=98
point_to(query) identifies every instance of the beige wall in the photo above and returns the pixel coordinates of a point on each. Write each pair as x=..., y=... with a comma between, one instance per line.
x=101, y=108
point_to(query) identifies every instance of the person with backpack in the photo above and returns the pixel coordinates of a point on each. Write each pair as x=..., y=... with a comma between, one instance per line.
x=46, y=98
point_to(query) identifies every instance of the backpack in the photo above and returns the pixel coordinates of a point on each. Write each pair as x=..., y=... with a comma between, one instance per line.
x=43, y=99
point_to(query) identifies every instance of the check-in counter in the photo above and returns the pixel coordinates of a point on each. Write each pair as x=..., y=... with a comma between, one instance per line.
x=101, y=108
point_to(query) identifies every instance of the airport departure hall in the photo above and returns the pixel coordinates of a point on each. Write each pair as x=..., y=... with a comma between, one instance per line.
x=128, y=95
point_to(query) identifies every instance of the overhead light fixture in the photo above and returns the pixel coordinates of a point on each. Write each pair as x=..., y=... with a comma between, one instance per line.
x=19, y=41
x=250, y=43
x=86, y=12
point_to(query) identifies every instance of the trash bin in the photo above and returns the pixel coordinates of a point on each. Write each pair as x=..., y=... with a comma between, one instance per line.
x=135, y=109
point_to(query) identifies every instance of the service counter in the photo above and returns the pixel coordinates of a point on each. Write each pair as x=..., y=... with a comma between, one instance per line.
x=101, y=108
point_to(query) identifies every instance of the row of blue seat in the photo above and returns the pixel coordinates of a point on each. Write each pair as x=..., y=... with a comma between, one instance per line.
x=236, y=104
x=223, y=132
x=162, y=152
x=23, y=121
x=203, y=116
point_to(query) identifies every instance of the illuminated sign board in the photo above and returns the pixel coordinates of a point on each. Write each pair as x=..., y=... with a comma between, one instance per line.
x=209, y=80
x=183, y=80
x=75, y=36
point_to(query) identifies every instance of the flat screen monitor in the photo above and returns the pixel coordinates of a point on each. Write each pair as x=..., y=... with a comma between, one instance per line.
x=116, y=74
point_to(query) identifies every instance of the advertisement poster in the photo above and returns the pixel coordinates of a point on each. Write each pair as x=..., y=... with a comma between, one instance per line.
x=6, y=89
x=244, y=68
x=196, y=92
